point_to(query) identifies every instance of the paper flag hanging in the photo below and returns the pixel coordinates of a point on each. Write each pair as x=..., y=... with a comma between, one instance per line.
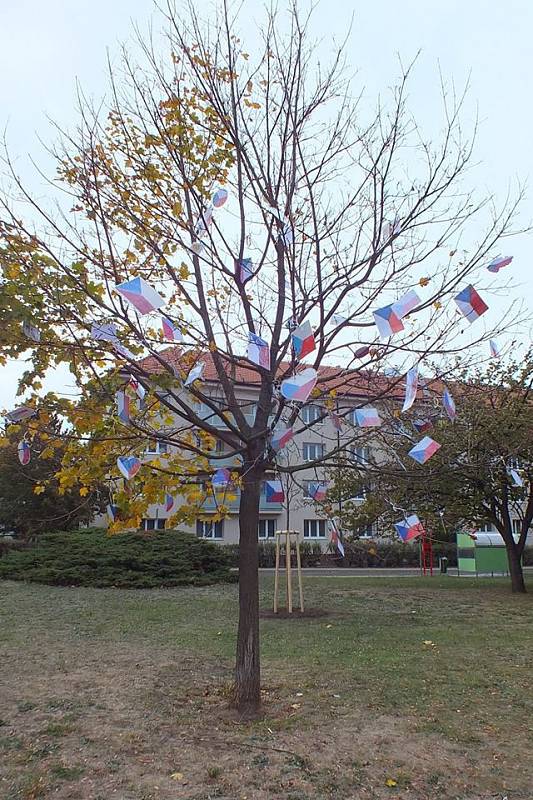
x=170, y=331
x=274, y=492
x=112, y=512
x=31, y=332
x=141, y=295
x=425, y=448
x=411, y=387
x=243, y=269
x=335, y=537
x=123, y=351
x=517, y=480
x=317, y=491
x=21, y=413
x=336, y=421
x=24, y=452
x=287, y=235
x=258, y=350
x=169, y=502
x=104, y=331
x=338, y=320
x=494, y=349
x=137, y=387
x=298, y=387
x=409, y=528
x=123, y=407
x=361, y=352
x=470, y=303
x=198, y=247
x=203, y=223
x=391, y=229
x=195, y=374
x=388, y=323
x=449, y=405
x=497, y=263
x=129, y=466
x=367, y=417
x=219, y=197
x=221, y=477
x=406, y=304
x=303, y=340
x=423, y=425
x=281, y=437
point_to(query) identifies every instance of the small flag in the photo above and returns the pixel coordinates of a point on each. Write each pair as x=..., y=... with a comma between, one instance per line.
x=123, y=351
x=123, y=407
x=494, y=349
x=24, y=453
x=470, y=303
x=204, y=221
x=221, y=478
x=338, y=320
x=112, y=512
x=388, y=323
x=104, y=331
x=129, y=466
x=406, y=304
x=317, y=491
x=243, y=269
x=195, y=374
x=219, y=197
x=169, y=502
x=497, y=263
x=423, y=425
x=274, y=492
x=517, y=480
x=31, y=332
x=409, y=528
x=336, y=540
x=137, y=387
x=298, y=387
x=425, y=448
x=281, y=437
x=141, y=295
x=303, y=340
x=258, y=351
x=170, y=331
x=449, y=405
x=287, y=235
x=411, y=387
x=21, y=413
x=367, y=417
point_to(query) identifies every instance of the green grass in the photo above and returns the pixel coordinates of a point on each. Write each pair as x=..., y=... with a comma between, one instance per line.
x=442, y=664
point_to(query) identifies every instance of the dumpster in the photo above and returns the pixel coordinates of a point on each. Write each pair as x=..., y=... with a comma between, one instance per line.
x=483, y=555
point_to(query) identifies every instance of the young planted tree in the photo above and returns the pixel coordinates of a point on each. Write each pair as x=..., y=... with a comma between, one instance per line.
x=483, y=472
x=336, y=208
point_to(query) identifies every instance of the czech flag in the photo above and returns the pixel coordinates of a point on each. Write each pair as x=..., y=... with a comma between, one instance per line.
x=141, y=295
x=195, y=374
x=169, y=502
x=449, y=405
x=317, y=491
x=411, y=388
x=274, y=492
x=112, y=512
x=281, y=437
x=336, y=540
x=406, y=304
x=298, y=387
x=387, y=321
x=425, y=448
x=21, y=413
x=494, y=349
x=497, y=263
x=258, y=350
x=367, y=417
x=129, y=466
x=409, y=528
x=219, y=197
x=123, y=407
x=221, y=478
x=470, y=303
x=303, y=340
x=423, y=425
x=170, y=331
x=243, y=269
x=24, y=453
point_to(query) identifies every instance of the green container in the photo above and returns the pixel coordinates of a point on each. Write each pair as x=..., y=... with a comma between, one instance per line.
x=484, y=555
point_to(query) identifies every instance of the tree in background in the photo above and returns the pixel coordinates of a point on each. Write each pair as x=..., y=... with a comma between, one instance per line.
x=337, y=208
x=32, y=501
x=482, y=473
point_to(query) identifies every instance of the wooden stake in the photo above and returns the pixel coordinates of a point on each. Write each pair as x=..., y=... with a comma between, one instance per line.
x=276, y=576
x=289, y=572
x=299, y=566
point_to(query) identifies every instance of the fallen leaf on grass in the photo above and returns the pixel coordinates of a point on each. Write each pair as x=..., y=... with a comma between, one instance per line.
x=296, y=705
x=177, y=776
x=391, y=782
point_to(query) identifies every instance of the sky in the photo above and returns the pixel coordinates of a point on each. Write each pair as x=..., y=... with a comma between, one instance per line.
x=46, y=47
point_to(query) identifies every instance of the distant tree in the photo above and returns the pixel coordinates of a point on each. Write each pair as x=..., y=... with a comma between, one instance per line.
x=482, y=473
x=32, y=500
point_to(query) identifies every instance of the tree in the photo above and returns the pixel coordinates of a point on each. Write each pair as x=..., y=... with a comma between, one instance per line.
x=483, y=472
x=31, y=499
x=339, y=208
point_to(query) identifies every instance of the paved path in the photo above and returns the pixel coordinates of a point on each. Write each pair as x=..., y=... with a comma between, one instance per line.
x=372, y=572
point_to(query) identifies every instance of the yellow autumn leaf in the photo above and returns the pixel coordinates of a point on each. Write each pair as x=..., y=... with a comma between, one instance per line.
x=391, y=782
x=39, y=489
x=177, y=776
x=84, y=491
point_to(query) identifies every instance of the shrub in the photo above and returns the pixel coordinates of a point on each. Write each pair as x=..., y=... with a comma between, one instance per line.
x=140, y=560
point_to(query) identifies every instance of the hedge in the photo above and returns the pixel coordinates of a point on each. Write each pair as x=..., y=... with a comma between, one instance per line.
x=141, y=560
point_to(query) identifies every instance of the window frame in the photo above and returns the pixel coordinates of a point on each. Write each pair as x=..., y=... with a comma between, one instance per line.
x=158, y=451
x=318, y=418
x=159, y=524
x=319, y=445
x=266, y=522
x=215, y=525
x=320, y=526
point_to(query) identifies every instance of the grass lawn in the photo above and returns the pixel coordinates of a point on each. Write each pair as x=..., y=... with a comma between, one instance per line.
x=422, y=684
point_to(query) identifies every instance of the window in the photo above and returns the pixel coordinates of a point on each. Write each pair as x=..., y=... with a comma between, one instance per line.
x=314, y=528
x=517, y=525
x=311, y=413
x=312, y=451
x=365, y=532
x=360, y=455
x=152, y=524
x=266, y=528
x=157, y=447
x=485, y=527
x=209, y=529
x=219, y=446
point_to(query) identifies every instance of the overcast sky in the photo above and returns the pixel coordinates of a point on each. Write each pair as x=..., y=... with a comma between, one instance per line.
x=46, y=46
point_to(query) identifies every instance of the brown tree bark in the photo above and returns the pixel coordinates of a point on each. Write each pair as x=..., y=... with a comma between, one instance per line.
x=515, y=568
x=247, y=688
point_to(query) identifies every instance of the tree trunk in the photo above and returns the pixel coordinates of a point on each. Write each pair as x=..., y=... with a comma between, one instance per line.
x=247, y=689
x=515, y=569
